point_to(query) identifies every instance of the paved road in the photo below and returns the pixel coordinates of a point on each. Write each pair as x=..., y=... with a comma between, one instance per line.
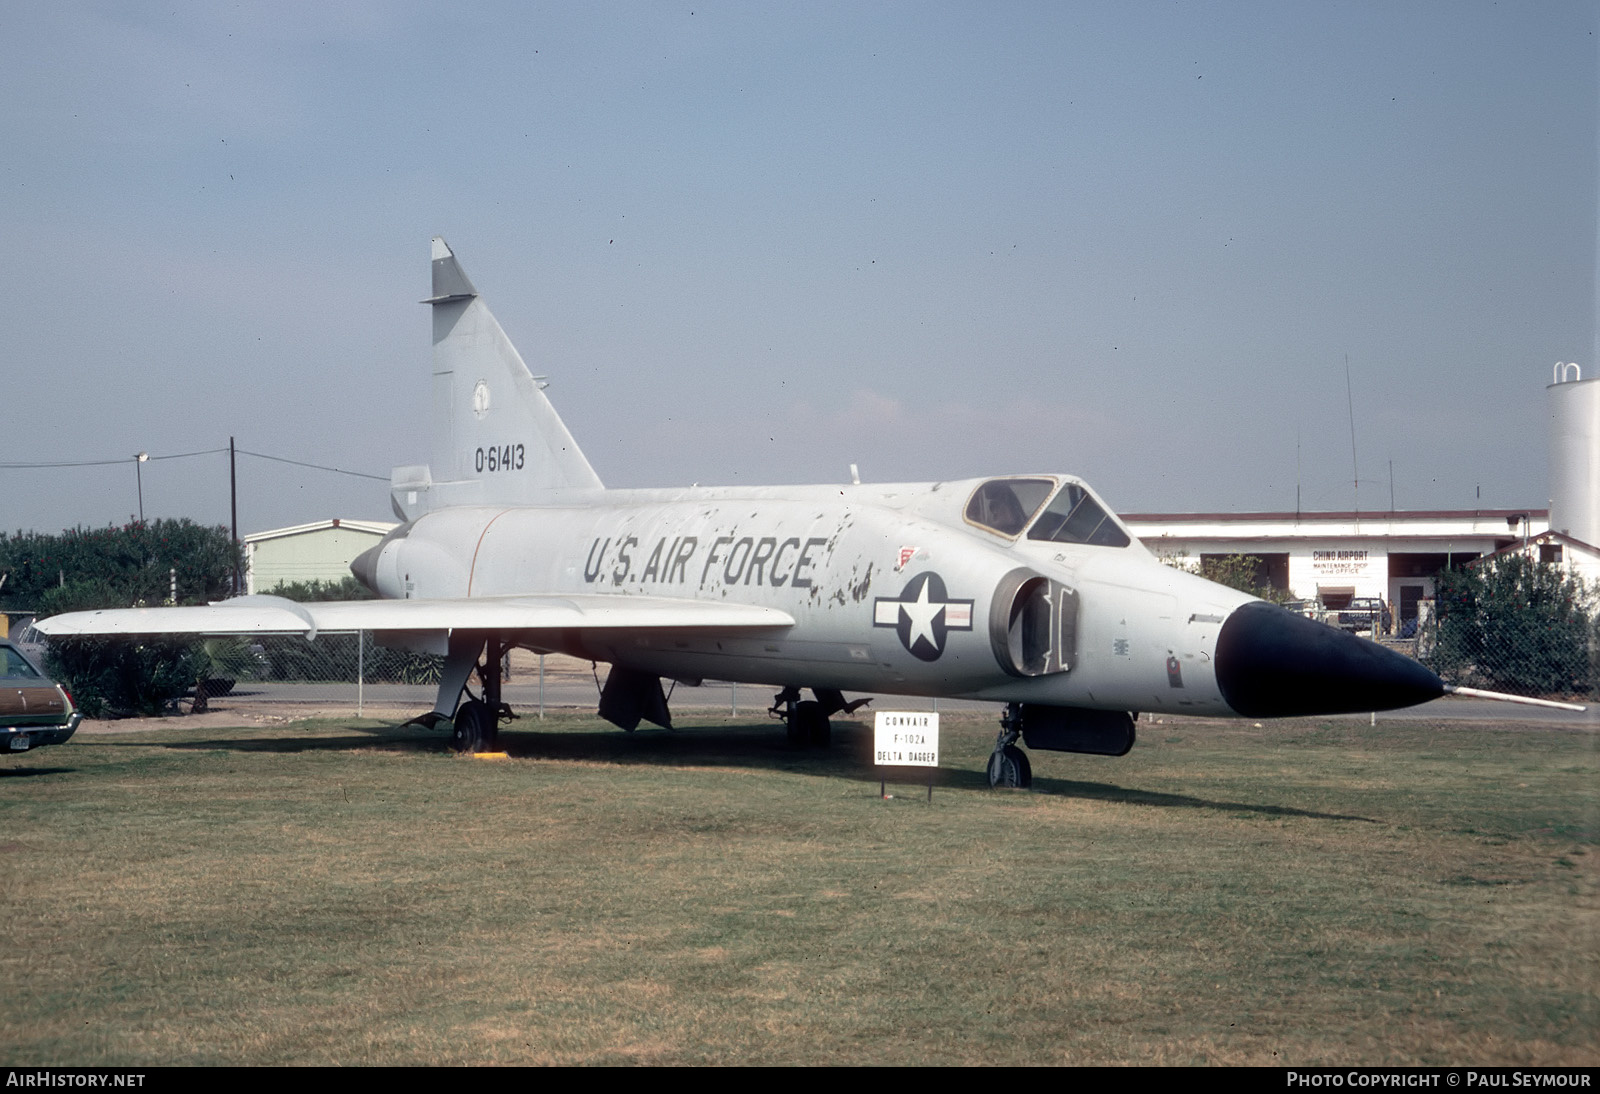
x=1451, y=709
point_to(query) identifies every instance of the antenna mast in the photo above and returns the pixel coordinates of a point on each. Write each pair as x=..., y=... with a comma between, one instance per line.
x=1355, y=476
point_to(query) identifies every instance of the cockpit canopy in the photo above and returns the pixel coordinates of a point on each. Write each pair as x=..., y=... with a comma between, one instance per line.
x=1007, y=505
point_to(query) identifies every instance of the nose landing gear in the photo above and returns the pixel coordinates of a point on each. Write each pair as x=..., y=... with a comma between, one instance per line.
x=1008, y=765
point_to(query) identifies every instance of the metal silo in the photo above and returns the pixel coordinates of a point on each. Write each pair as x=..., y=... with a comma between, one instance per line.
x=1575, y=454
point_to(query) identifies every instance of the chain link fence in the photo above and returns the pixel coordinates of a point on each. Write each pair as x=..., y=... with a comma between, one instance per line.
x=1515, y=626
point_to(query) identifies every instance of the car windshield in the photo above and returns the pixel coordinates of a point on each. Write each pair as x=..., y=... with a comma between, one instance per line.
x=14, y=666
x=1075, y=517
x=1006, y=505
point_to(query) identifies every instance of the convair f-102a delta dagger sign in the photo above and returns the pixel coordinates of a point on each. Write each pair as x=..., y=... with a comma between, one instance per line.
x=1024, y=590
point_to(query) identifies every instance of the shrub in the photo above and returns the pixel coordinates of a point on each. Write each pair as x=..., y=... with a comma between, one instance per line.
x=1514, y=625
x=117, y=567
x=120, y=677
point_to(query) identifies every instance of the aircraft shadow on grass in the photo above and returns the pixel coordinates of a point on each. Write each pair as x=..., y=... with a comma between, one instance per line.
x=1072, y=788
x=753, y=746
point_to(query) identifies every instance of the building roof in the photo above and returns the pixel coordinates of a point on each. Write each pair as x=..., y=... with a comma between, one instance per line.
x=1542, y=537
x=368, y=527
x=1412, y=525
x=1338, y=516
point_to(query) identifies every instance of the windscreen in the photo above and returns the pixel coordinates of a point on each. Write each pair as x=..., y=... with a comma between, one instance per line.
x=14, y=666
x=1075, y=517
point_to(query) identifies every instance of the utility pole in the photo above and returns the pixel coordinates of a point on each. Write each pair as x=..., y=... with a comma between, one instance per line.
x=139, y=459
x=233, y=504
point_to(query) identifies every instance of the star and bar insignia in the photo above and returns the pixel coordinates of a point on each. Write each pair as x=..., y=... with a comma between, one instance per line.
x=923, y=615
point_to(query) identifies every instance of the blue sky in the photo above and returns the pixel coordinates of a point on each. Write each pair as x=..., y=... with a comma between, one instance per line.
x=756, y=243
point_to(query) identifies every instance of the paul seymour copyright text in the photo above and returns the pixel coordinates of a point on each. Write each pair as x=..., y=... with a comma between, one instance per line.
x=1453, y=1077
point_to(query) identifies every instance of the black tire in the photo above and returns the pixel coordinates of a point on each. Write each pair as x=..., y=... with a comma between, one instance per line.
x=809, y=726
x=1009, y=769
x=473, y=727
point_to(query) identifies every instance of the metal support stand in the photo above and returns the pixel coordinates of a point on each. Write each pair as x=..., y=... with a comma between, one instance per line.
x=489, y=673
x=883, y=794
x=1010, y=727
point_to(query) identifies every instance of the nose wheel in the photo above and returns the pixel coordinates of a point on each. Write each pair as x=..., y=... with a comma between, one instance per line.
x=1009, y=768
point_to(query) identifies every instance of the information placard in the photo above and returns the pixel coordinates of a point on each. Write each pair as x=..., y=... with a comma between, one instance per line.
x=905, y=738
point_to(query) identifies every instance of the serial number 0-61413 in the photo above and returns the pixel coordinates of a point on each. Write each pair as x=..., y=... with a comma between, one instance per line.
x=508, y=457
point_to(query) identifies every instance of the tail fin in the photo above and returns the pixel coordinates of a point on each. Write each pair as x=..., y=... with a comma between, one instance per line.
x=496, y=438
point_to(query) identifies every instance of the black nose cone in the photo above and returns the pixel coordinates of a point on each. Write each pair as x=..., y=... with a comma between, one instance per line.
x=1272, y=664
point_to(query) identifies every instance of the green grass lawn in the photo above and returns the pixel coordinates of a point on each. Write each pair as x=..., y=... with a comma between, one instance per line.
x=342, y=892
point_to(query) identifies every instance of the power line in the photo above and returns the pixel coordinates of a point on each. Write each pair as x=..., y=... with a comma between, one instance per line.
x=73, y=463
x=108, y=463
x=314, y=466
x=186, y=455
x=9, y=466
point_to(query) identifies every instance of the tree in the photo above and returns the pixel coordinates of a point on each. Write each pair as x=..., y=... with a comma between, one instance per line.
x=1513, y=624
x=306, y=592
x=1247, y=573
x=117, y=567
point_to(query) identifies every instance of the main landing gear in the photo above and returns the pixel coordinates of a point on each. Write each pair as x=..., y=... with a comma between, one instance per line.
x=807, y=719
x=476, y=726
x=1008, y=765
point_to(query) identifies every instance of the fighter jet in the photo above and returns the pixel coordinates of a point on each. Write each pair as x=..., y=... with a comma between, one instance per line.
x=1024, y=589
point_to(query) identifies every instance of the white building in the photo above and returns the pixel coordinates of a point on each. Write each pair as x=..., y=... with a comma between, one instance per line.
x=1580, y=559
x=320, y=551
x=1335, y=557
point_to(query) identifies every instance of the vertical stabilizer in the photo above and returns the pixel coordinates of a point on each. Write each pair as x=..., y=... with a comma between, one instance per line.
x=496, y=438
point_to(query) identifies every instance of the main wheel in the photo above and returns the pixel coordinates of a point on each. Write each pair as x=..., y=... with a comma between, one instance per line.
x=1009, y=768
x=794, y=729
x=473, y=728
x=809, y=725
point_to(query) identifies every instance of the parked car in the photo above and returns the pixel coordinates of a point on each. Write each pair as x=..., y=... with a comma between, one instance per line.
x=34, y=709
x=1365, y=615
x=26, y=637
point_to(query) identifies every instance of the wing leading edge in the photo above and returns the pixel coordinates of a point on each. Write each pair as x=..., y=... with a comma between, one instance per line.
x=276, y=615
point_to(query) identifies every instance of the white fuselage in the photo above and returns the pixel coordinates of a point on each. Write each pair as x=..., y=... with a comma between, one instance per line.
x=850, y=564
